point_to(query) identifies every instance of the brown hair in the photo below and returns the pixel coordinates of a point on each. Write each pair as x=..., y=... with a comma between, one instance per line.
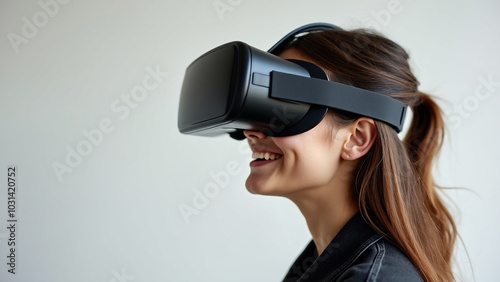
x=394, y=183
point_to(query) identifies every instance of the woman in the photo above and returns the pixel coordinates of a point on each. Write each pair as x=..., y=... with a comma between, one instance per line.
x=369, y=199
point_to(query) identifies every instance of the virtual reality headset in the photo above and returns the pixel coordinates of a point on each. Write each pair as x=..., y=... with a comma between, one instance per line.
x=236, y=87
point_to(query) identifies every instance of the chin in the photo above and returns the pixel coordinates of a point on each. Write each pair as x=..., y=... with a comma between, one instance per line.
x=254, y=187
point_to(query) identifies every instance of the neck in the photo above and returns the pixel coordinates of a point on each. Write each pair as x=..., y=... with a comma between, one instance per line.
x=326, y=210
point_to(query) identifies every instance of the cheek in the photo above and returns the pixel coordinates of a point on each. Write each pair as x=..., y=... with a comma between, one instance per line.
x=289, y=143
x=315, y=168
x=313, y=164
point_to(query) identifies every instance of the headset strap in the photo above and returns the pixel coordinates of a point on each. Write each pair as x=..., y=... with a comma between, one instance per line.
x=338, y=96
x=285, y=41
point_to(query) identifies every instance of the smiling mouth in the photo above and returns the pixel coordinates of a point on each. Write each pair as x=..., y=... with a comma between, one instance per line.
x=261, y=156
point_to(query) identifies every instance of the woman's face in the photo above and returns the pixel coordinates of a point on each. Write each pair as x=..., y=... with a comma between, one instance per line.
x=295, y=163
x=298, y=162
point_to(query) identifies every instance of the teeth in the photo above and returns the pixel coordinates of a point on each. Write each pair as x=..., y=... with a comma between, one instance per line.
x=266, y=156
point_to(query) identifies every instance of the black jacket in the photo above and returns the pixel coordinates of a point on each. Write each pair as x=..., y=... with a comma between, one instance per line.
x=357, y=253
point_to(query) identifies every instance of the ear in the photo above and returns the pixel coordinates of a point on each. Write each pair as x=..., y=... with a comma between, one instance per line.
x=361, y=135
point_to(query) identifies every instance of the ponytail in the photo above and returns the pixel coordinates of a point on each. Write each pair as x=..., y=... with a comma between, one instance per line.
x=425, y=136
x=423, y=142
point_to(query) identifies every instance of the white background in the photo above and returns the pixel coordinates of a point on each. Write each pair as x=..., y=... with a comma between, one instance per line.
x=116, y=216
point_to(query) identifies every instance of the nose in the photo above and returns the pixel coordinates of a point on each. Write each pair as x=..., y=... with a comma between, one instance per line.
x=253, y=136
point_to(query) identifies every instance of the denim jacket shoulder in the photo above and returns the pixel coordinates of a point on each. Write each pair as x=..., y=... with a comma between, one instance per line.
x=357, y=253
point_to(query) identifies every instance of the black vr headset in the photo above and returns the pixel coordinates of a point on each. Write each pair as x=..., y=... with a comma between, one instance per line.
x=237, y=87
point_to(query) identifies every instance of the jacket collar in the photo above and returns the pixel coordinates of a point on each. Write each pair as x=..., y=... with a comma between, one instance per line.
x=352, y=240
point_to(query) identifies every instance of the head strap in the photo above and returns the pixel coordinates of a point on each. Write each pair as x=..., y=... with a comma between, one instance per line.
x=291, y=36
